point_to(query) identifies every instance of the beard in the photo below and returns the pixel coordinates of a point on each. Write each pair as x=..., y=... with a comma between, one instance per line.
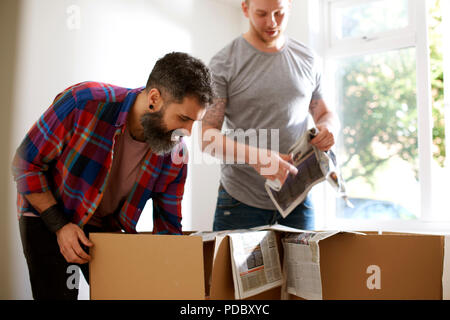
x=265, y=38
x=261, y=35
x=156, y=134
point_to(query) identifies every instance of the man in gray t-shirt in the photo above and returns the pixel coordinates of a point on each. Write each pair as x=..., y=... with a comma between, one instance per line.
x=267, y=84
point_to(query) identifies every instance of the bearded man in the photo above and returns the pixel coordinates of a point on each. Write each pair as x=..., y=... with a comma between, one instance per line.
x=94, y=158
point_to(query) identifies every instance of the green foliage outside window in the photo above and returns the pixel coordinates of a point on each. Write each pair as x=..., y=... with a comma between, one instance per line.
x=378, y=107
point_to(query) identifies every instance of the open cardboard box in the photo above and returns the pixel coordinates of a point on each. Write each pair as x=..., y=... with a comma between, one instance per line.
x=146, y=266
x=382, y=266
x=352, y=266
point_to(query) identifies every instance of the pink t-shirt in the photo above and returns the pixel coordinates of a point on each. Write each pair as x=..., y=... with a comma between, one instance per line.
x=128, y=156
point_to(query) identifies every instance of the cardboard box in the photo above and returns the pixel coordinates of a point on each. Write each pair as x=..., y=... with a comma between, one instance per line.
x=386, y=266
x=146, y=266
x=352, y=266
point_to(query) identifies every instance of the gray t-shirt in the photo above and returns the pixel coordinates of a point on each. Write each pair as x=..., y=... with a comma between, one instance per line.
x=263, y=91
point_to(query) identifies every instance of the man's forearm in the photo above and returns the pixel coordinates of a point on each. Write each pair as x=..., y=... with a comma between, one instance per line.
x=47, y=206
x=330, y=121
x=327, y=123
x=323, y=116
x=41, y=201
x=228, y=150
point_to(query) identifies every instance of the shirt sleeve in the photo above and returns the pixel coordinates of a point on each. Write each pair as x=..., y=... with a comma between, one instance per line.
x=167, y=213
x=44, y=143
x=219, y=68
x=317, y=92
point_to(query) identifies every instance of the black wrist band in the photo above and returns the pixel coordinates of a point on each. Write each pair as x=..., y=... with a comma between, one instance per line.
x=54, y=218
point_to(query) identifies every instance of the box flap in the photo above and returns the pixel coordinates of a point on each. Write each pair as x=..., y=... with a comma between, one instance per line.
x=222, y=286
x=302, y=263
x=255, y=261
x=221, y=283
x=144, y=266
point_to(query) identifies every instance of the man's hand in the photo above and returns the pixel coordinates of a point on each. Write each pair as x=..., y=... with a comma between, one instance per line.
x=273, y=165
x=324, y=140
x=69, y=238
x=326, y=122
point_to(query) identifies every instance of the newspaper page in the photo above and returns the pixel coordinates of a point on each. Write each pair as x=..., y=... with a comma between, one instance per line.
x=278, y=227
x=211, y=235
x=255, y=262
x=206, y=235
x=302, y=263
x=314, y=166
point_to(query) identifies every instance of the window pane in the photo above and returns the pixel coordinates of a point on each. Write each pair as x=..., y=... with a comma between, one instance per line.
x=372, y=17
x=378, y=148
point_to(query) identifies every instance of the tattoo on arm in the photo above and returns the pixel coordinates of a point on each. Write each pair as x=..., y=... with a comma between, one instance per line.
x=319, y=110
x=322, y=115
x=215, y=115
x=313, y=108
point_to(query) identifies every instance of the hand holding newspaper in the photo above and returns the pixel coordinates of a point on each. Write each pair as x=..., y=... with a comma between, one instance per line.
x=314, y=166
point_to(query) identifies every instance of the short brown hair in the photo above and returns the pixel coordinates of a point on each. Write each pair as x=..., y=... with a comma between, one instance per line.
x=181, y=75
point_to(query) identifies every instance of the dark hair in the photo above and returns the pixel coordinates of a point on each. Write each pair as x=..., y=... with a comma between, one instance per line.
x=179, y=75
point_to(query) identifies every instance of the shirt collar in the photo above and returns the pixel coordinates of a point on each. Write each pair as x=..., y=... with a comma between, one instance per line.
x=126, y=106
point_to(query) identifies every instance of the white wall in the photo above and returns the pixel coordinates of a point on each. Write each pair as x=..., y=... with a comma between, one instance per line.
x=62, y=42
x=9, y=251
x=299, y=20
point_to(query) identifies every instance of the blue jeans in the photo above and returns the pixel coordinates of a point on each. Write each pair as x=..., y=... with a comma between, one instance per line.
x=232, y=214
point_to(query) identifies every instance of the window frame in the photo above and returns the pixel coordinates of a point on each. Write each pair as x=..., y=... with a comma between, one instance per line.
x=398, y=38
x=445, y=7
x=415, y=35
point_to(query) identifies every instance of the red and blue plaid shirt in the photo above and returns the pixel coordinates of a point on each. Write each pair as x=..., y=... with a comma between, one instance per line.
x=69, y=151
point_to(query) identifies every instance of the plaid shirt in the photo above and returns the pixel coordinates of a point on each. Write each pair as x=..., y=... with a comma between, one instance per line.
x=69, y=151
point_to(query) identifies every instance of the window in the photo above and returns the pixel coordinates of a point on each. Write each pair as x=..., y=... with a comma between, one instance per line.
x=389, y=94
x=377, y=108
x=363, y=19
